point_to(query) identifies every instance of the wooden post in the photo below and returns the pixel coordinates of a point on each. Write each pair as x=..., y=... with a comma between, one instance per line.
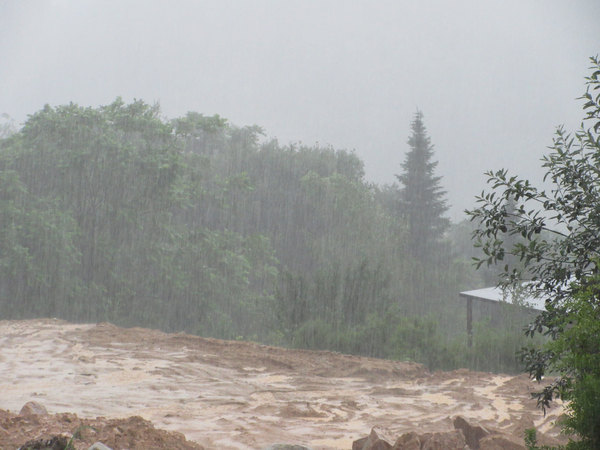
x=469, y=322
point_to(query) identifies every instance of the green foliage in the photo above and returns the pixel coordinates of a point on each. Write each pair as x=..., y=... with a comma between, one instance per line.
x=558, y=248
x=427, y=341
x=77, y=435
x=96, y=225
x=531, y=441
x=495, y=346
x=568, y=213
x=193, y=224
x=419, y=339
x=575, y=355
x=343, y=295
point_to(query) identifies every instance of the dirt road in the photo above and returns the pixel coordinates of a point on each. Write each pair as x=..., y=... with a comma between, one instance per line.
x=239, y=395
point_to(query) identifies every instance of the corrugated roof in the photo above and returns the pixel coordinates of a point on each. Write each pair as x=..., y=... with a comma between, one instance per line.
x=495, y=294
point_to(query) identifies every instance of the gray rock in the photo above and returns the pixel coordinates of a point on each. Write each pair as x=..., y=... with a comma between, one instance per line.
x=473, y=431
x=372, y=442
x=446, y=440
x=492, y=442
x=33, y=408
x=99, y=446
x=408, y=441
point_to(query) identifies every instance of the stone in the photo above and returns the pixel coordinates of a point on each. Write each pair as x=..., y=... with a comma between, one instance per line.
x=448, y=440
x=497, y=442
x=473, y=431
x=33, y=408
x=359, y=444
x=57, y=442
x=408, y=441
x=99, y=446
x=372, y=442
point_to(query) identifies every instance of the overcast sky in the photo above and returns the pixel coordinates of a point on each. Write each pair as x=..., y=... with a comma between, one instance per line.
x=493, y=78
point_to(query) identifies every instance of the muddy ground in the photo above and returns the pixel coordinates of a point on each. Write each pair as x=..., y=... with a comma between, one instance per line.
x=233, y=395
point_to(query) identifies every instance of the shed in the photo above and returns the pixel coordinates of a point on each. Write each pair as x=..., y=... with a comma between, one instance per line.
x=496, y=295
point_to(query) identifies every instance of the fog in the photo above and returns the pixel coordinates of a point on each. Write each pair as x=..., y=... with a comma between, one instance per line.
x=493, y=79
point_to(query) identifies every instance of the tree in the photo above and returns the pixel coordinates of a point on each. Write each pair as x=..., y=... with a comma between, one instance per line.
x=422, y=199
x=97, y=223
x=559, y=250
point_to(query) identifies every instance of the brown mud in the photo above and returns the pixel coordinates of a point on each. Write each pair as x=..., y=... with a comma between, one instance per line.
x=234, y=395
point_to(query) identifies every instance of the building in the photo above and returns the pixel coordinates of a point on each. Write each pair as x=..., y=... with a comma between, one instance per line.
x=491, y=298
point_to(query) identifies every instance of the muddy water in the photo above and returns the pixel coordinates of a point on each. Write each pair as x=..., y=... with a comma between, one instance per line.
x=243, y=396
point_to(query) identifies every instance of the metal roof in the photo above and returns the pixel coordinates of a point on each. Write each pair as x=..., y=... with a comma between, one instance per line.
x=496, y=294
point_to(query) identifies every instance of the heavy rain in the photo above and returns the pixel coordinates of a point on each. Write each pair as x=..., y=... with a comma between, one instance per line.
x=298, y=175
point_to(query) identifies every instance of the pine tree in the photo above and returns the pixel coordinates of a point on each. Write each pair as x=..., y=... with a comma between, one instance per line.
x=422, y=198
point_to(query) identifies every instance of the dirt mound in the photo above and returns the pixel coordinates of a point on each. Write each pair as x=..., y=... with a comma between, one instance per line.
x=236, y=355
x=133, y=433
x=236, y=395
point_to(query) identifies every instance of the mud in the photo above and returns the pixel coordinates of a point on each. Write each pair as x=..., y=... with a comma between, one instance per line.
x=240, y=395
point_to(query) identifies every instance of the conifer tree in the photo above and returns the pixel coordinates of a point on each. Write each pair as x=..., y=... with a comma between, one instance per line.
x=422, y=201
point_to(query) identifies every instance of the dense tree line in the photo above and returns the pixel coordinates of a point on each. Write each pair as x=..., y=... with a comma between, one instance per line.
x=116, y=214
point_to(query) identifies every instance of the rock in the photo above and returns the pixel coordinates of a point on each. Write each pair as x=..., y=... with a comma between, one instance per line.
x=33, y=408
x=372, y=442
x=57, y=442
x=384, y=434
x=279, y=447
x=99, y=446
x=497, y=442
x=472, y=430
x=359, y=444
x=448, y=440
x=408, y=441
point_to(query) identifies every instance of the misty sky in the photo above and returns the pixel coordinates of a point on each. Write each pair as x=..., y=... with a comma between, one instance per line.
x=493, y=78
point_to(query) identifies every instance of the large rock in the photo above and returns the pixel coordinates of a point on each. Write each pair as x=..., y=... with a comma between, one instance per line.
x=33, y=408
x=448, y=440
x=408, y=441
x=473, y=432
x=371, y=442
x=497, y=442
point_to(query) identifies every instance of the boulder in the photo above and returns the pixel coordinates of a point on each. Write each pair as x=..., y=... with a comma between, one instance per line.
x=359, y=444
x=371, y=442
x=408, y=441
x=497, y=442
x=447, y=440
x=33, y=408
x=473, y=432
